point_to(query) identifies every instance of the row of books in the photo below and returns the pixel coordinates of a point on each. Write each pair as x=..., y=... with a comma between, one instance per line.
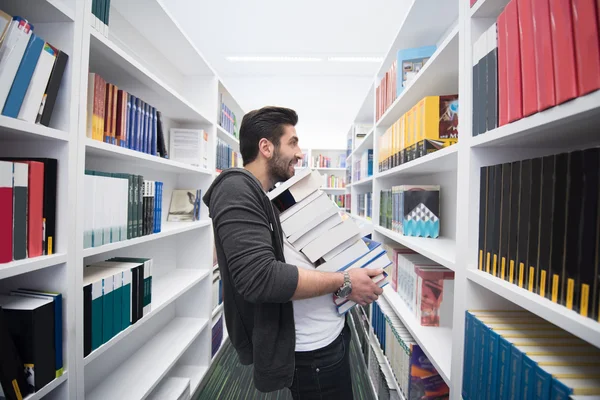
x=31, y=341
x=117, y=117
x=538, y=227
x=403, y=71
x=411, y=210
x=31, y=72
x=116, y=294
x=27, y=208
x=539, y=54
x=363, y=166
x=348, y=202
x=415, y=374
x=425, y=287
x=517, y=355
x=312, y=224
x=333, y=181
x=186, y=205
x=227, y=157
x=359, y=132
x=365, y=205
x=119, y=207
x=228, y=120
x=217, y=335
x=303, y=163
x=101, y=16
x=430, y=125
x=338, y=199
x=322, y=161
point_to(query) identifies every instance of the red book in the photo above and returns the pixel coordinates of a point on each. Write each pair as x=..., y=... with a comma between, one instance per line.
x=502, y=71
x=527, y=56
x=587, y=45
x=513, y=59
x=473, y=2
x=35, y=207
x=6, y=211
x=544, y=63
x=563, y=48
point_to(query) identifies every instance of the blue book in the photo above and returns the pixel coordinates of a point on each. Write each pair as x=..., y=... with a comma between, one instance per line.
x=468, y=354
x=127, y=122
x=154, y=131
x=149, y=129
x=134, y=123
x=492, y=368
x=138, y=130
x=504, y=373
x=370, y=162
x=143, y=147
x=23, y=77
x=411, y=61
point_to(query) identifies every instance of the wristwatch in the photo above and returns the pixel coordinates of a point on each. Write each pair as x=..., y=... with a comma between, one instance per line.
x=346, y=288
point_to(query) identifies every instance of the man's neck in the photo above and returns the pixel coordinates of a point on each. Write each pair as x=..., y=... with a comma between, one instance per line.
x=260, y=173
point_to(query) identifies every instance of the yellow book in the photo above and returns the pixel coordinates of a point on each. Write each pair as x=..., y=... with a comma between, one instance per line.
x=557, y=359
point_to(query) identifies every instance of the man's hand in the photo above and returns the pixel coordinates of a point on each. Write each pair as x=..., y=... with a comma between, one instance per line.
x=364, y=290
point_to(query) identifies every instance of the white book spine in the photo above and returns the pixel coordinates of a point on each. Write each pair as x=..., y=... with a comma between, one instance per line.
x=37, y=86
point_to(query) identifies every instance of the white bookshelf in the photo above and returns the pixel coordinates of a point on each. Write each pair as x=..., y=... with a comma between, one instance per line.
x=147, y=54
x=453, y=26
x=329, y=171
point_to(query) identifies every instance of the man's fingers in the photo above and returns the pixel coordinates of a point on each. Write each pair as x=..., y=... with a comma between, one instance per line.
x=374, y=272
x=378, y=291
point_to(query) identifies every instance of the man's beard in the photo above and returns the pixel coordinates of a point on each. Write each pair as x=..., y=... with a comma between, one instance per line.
x=279, y=167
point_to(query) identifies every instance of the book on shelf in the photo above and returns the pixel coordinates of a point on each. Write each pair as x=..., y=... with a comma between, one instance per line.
x=386, y=91
x=120, y=207
x=227, y=157
x=116, y=294
x=31, y=72
x=515, y=354
x=322, y=161
x=12, y=374
x=189, y=146
x=411, y=210
x=538, y=220
x=185, y=205
x=101, y=16
x=228, y=119
x=485, y=81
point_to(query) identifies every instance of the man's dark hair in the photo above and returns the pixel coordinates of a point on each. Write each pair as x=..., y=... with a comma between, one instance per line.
x=268, y=123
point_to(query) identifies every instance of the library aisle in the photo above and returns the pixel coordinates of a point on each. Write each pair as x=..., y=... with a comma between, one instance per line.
x=453, y=143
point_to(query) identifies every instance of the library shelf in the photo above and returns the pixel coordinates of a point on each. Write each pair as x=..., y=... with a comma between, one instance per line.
x=384, y=364
x=16, y=129
x=166, y=289
x=579, y=117
x=363, y=182
x=580, y=326
x=39, y=11
x=217, y=310
x=168, y=229
x=438, y=75
x=116, y=66
x=151, y=362
x=195, y=373
x=31, y=264
x=111, y=151
x=439, y=161
x=354, y=328
x=436, y=342
x=49, y=387
x=227, y=138
x=488, y=8
x=331, y=169
x=367, y=143
x=442, y=250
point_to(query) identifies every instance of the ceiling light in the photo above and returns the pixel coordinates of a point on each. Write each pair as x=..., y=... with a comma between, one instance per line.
x=356, y=59
x=272, y=59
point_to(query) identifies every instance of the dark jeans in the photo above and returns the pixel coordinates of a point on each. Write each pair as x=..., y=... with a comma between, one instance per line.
x=325, y=373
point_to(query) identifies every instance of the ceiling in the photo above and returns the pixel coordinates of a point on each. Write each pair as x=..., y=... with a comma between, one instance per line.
x=306, y=28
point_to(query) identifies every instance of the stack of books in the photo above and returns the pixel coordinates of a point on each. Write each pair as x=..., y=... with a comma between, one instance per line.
x=312, y=224
x=430, y=125
x=538, y=227
x=27, y=208
x=31, y=71
x=116, y=294
x=415, y=374
x=517, y=355
x=411, y=210
x=120, y=207
x=31, y=341
x=537, y=55
x=119, y=118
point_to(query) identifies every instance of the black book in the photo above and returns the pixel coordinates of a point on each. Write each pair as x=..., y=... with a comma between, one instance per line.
x=575, y=216
x=140, y=219
x=30, y=323
x=545, y=226
x=482, y=96
x=497, y=213
x=492, y=81
x=559, y=226
x=476, y=106
x=52, y=89
x=130, y=205
x=513, y=230
x=588, y=267
x=504, y=220
x=532, y=268
x=87, y=320
x=160, y=133
x=483, y=179
x=12, y=375
x=524, y=201
x=491, y=218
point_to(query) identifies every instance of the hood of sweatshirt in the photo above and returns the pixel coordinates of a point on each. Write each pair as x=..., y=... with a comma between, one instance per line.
x=219, y=180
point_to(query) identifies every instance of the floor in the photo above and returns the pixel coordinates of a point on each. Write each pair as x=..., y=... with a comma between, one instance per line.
x=229, y=380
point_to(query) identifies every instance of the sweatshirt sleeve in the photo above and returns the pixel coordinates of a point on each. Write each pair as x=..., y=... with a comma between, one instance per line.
x=245, y=234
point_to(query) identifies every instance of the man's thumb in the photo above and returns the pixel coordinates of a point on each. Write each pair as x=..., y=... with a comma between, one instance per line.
x=374, y=272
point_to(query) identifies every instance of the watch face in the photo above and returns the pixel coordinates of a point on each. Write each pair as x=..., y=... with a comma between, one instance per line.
x=345, y=291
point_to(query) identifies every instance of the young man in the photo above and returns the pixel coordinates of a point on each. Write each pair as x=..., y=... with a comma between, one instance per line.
x=279, y=315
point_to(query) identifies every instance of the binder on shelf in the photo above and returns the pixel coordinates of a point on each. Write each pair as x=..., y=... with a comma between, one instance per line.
x=532, y=267
x=524, y=221
x=490, y=216
x=513, y=237
x=563, y=50
x=504, y=221
x=6, y=212
x=545, y=227
x=20, y=195
x=35, y=204
x=492, y=77
x=559, y=227
x=544, y=59
x=12, y=375
x=528, y=68
x=570, y=285
x=483, y=192
x=587, y=45
x=513, y=60
x=497, y=203
x=503, y=55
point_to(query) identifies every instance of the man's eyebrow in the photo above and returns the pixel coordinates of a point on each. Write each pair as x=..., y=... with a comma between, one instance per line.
x=294, y=139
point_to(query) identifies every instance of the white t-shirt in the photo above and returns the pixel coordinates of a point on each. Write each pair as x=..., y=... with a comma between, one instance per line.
x=317, y=320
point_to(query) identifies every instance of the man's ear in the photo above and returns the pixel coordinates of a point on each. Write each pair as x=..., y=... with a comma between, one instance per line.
x=266, y=148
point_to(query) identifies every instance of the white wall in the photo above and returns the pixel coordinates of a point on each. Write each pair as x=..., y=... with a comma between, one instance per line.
x=326, y=106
